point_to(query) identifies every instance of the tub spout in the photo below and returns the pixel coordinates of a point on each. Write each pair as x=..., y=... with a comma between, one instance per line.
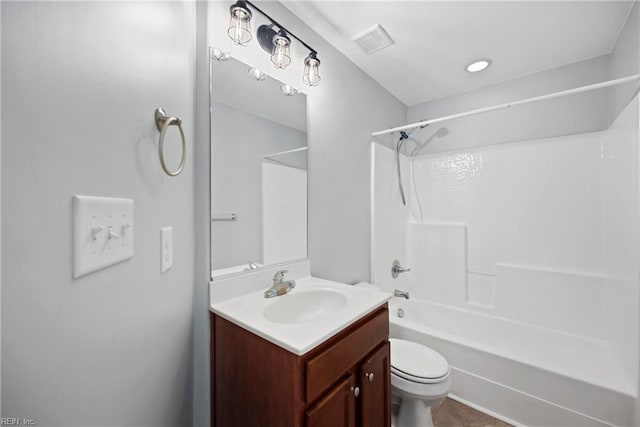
x=401, y=294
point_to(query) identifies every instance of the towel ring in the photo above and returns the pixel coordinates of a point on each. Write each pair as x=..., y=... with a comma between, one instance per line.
x=163, y=122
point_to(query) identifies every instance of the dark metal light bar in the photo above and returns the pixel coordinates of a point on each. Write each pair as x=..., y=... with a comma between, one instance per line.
x=282, y=27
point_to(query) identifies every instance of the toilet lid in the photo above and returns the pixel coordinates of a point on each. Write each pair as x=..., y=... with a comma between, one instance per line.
x=410, y=359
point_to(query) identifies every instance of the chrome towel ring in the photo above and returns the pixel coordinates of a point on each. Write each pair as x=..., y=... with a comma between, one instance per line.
x=163, y=121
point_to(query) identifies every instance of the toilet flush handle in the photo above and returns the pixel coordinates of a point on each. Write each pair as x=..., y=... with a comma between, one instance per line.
x=369, y=376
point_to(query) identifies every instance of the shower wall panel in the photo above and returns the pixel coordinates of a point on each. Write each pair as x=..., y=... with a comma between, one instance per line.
x=542, y=232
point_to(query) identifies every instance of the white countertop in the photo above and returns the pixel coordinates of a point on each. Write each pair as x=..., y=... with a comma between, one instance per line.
x=248, y=312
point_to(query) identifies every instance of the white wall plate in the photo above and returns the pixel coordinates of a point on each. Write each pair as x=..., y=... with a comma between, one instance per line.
x=102, y=233
x=166, y=241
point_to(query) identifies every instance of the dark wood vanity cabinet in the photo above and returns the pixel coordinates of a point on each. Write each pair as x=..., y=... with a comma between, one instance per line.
x=336, y=408
x=375, y=374
x=344, y=382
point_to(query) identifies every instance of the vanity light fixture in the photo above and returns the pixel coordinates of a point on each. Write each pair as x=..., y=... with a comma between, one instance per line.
x=479, y=65
x=257, y=74
x=281, y=56
x=240, y=23
x=311, y=76
x=275, y=42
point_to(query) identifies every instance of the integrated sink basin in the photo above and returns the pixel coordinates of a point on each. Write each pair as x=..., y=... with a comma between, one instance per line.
x=298, y=321
x=306, y=306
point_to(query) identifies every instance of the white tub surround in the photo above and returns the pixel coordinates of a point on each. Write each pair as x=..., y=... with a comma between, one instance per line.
x=524, y=270
x=240, y=299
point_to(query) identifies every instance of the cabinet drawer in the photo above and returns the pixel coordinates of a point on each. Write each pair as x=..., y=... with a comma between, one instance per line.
x=327, y=367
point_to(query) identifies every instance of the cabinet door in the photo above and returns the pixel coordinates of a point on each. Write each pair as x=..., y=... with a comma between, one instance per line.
x=375, y=377
x=336, y=409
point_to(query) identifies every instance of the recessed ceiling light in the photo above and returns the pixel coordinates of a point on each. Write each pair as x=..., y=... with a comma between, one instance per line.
x=479, y=65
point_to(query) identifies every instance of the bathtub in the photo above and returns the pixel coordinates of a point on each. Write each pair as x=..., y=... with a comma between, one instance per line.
x=523, y=374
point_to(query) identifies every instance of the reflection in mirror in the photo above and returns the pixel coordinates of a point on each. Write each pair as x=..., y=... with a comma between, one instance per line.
x=258, y=169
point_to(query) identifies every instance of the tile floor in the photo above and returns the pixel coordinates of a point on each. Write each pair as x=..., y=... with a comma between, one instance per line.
x=451, y=413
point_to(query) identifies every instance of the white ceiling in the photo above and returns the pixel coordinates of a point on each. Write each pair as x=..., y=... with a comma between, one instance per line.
x=436, y=40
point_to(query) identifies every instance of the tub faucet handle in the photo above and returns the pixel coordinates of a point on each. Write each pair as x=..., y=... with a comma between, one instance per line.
x=396, y=269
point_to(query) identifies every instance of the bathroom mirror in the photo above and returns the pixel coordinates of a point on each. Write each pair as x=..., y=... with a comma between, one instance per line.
x=258, y=169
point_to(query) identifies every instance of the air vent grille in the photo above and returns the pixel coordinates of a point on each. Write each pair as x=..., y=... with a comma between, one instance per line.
x=374, y=39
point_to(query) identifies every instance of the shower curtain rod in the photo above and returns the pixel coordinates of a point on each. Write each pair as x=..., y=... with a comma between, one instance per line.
x=511, y=104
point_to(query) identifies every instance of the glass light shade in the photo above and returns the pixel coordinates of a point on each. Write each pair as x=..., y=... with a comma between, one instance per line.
x=311, y=76
x=281, y=56
x=240, y=24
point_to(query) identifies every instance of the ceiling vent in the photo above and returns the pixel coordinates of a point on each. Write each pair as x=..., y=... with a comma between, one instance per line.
x=374, y=39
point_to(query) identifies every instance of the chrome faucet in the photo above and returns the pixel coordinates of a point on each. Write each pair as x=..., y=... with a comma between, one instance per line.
x=401, y=294
x=280, y=286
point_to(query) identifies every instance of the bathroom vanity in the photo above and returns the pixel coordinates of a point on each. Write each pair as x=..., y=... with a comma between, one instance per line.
x=308, y=358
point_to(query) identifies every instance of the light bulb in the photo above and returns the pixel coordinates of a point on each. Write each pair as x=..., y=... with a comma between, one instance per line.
x=240, y=23
x=311, y=76
x=280, y=56
x=479, y=65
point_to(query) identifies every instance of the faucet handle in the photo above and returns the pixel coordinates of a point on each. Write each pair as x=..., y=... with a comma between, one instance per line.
x=396, y=269
x=279, y=276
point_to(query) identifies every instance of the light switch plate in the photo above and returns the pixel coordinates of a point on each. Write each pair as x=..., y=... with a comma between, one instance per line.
x=166, y=240
x=102, y=233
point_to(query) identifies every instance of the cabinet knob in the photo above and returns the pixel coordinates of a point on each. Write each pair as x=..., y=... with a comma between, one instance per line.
x=369, y=376
x=355, y=391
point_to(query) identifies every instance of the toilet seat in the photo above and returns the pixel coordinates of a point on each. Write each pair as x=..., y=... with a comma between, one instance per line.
x=417, y=363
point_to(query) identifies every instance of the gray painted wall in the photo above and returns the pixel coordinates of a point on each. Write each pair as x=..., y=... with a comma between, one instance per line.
x=238, y=142
x=580, y=113
x=0, y=213
x=81, y=81
x=561, y=116
x=341, y=114
x=202, y=223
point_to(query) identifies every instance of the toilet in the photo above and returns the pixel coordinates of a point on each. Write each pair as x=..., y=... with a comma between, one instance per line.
x=419, y=379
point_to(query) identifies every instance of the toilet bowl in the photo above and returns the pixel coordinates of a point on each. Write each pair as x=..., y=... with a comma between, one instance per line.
x=419, y=379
